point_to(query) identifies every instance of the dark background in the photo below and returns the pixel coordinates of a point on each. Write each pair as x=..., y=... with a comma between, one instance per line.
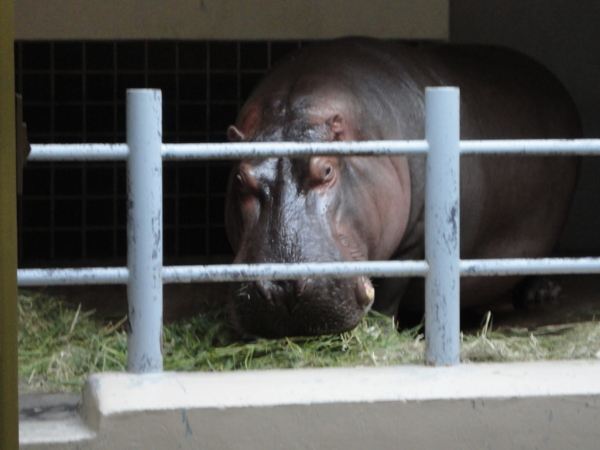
x=74, y=91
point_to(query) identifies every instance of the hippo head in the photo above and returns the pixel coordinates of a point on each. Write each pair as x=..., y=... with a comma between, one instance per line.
x=295, y=210
x=282, y=210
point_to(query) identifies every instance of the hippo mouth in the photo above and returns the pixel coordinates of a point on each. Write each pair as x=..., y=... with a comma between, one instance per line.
x=309, y=307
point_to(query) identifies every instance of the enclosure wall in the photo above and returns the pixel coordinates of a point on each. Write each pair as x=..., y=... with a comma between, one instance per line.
x=565, y=37
x=230, y=19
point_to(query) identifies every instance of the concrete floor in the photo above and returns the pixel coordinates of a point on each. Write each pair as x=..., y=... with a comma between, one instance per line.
x=578, y=302
x=45, y=407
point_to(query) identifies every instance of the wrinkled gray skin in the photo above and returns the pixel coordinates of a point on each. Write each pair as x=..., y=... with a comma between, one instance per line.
x=371, y=208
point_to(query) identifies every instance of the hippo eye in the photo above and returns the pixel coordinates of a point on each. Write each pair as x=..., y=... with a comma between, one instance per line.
x=322, y=171
x=328, y=173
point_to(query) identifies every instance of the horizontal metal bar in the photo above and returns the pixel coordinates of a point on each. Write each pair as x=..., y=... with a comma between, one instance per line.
x=100, y=152
x=537, y=266
x=223, y=272
x=248, y=272
x=245, y=272
x=291, y=149
x=78, y=152
x=537, y=146
x=65, y=277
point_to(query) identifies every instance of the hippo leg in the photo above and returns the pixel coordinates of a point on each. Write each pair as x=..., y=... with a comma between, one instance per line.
x=535, y=291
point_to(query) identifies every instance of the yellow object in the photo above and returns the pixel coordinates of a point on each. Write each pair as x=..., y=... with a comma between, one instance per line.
x=9, y=413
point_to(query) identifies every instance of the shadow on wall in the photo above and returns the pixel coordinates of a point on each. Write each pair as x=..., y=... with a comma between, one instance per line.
x=566, y=39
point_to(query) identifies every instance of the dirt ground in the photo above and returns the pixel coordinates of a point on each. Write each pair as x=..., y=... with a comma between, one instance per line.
x=579, y=302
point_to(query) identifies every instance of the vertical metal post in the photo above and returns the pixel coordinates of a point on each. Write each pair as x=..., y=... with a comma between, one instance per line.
x=144, y=230
x=9, y=315
x=442, y=226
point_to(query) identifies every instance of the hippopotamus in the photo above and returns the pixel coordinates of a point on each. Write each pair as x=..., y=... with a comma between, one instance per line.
x=358, y=208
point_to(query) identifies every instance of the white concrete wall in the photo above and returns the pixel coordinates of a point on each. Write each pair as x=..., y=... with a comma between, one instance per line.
x=550, y=405
x=230, y=19
x=564, y=36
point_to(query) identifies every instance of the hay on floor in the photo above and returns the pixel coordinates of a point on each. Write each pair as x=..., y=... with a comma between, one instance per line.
x=60, y=345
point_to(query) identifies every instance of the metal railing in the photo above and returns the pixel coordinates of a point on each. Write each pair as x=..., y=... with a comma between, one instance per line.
x=442, y=268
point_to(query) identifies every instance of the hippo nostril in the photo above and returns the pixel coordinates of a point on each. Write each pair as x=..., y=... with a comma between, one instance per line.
x=263, y=287
x=300, y=287
x=278, y=294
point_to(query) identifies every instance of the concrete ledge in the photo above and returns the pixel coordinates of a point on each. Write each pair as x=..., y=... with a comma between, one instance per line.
x=231, y=19
x=519, y=405
x=71, y=430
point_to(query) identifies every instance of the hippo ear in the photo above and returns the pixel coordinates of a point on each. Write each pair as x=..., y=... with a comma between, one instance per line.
x=337, y=128
x=235, y=135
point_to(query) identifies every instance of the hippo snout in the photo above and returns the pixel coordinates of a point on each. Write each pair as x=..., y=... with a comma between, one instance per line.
x=310, y=306
x=284, y=293
x=287, y=293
